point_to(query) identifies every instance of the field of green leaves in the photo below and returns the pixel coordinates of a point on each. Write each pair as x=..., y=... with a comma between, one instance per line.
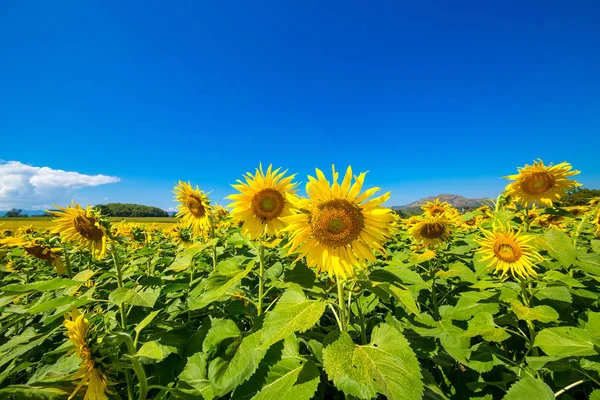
x=175, y=314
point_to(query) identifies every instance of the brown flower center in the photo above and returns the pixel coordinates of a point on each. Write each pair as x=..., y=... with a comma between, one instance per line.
x=507, y=250
x=432, y=230
x=41, y=252
x=337, y=222
x=195, y=206
x=436, y=210
x=268, y=204
x=537, y=183
x=86, y=226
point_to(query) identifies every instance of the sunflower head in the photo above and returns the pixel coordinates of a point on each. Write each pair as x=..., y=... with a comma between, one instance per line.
x=263, y=201
x=431, y=231
x=90, y=371
x=507, y=250
x=37, y=248
x=337, y=228
x=194, y=206
x=84, y=226
x=26, y=230
x=181, y=235
x=542, y=184
x=439, y=208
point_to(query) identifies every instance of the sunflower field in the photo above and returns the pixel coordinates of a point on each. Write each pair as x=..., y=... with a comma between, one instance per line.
x=329, y=295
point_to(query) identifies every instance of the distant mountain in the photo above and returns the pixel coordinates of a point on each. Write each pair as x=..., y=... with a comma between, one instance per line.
x=25, y=212
x=454, y=199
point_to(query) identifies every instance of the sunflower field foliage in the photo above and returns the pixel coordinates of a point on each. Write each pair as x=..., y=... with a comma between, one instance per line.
x=313, y=291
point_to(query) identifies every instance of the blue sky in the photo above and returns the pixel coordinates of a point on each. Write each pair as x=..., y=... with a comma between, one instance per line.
x=430, y=96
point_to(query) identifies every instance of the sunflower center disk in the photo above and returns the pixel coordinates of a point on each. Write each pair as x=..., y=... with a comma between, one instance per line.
x=337, y=222
x=537, y=183
x=39, y=252
x=433, y=230
x=436, y=211
x=268, y=204
x=507, y=250
x=194, y=204
x=86, y=226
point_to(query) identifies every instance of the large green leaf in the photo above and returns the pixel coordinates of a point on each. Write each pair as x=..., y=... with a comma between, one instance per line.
x=537, y=313
x=293, y=313
x=387, y=366
x=236, y=364
x=53, y=284
x=290, y=376
x=193, y=380
x=217, y=286
x=558, y=245
x=565, y=342
x=140, y=296
x=155, y=351
x=483, y=325
x=529, y=388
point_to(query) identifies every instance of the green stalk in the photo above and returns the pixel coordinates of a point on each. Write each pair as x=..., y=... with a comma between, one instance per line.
x=261, y=283
x=67, y=263
x=342, y=304
x=120, y=285
x=361, y=317
x=214, y=246
x=135, y=364
x=525, y=294
x=526, y=218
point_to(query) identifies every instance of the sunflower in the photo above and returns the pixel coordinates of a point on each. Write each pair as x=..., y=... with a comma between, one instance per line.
x=472, y=222
x=410, y=221
x=337, y=228
x=82, y=225
x=263, y=201
x=596, y=223
x=507, y=250
x=89, y=372
x=194, y=208
x=577, y=211
x=36, y=248
x=431, y=231
x=539, y=183
x=436, y=208
x=26, y=230
x=181, y=235
x=551, y=221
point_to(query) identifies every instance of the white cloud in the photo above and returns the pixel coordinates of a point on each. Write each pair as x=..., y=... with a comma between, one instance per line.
x=28, y=187
x=171, y=209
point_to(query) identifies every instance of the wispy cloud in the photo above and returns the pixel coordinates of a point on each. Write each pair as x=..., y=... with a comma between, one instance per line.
x=29, y=187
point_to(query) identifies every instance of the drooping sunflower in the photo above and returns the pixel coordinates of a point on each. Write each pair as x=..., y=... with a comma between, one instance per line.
x=89, y=372
x=83, y=226
x=431, y=231
x=473, y=222
x=337, y=228
x=439, y=208
x=26, y=230
x=596, y=223
x=194, y=208
x=553, y=221
x=542, y=184
x=181, y=235
x=38, y=249
x=507, y=250
x=263, y=201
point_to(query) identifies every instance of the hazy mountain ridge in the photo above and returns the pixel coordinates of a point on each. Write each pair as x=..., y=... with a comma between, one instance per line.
x=454, y=199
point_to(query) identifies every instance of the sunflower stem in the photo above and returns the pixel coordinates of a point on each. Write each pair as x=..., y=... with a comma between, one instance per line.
x=214, y=246
x=261, y=283
x=135, y=364
x=120, y=285
x=67, y=262
x=526, y=218
x=361, y=317
x=526, y=295
x=342, y=304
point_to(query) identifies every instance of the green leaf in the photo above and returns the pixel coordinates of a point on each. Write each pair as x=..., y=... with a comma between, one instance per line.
x=590, y=263
x=53, y=284
x=214, y=293
x=220, y=330
x=595, y=395
x=483, y=325
x=185, y=259
x=37, y=391
x=537, y=313
x=469, y=305
x=155, y=350
x=146, y=321
x=387, y=366
x=555, y=293
x=529, y=388
x=292, y=313
x=565, y=342
x=235, y=365
x=291, y=377
x=141, y=296
x=402, y=295
x=51, y=304
x=558, y=245
x=193, y=380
